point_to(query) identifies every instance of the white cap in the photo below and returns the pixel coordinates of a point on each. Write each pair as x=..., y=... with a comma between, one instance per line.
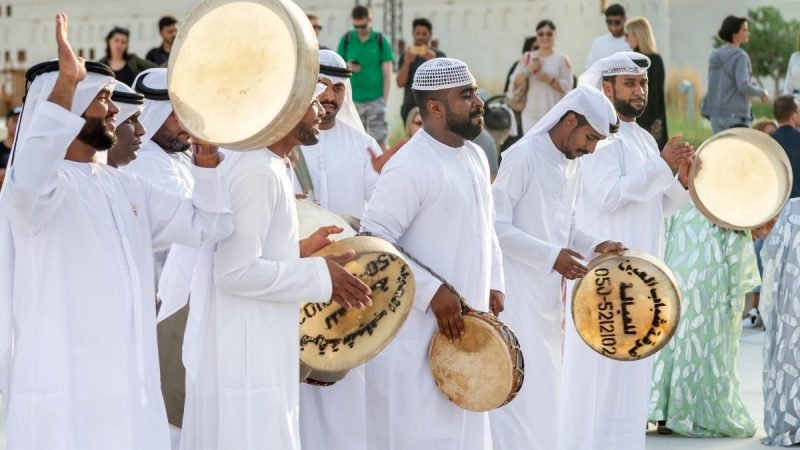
x=620, y=63
x=442, y=73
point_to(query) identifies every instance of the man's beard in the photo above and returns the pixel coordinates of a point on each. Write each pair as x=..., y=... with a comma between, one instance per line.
x=464, y=126
x=175, y=145
x=624, y=107
x=330, y=116
x=305, y=134
x=95, y=134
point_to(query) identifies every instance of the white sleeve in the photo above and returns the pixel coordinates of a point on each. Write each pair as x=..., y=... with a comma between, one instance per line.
x=508, y=188
x=397, y=198
x=33, y=184
x=675, y=197
x=241, y=268
x=370, y=176
x=611, y=190
x=162, y=175
x=202, y=219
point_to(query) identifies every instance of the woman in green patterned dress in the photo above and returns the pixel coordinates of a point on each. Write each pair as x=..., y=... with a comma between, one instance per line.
x=695, y=380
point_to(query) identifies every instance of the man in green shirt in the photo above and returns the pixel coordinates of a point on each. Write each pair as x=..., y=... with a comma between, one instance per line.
x=369, y=55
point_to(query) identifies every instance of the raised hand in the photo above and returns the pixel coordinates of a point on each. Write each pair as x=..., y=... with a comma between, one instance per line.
x=205, y=154
x=317, y=240
x=348, y=290
x=69, y=66
x=446, y=306
x=568, y=266
x=676, y=151
x=378, y=161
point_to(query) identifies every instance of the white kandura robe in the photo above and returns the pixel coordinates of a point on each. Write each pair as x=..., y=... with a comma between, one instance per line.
x=84, y=373
x=341, y=171
x=241, y=347
x=628, y=191
x=535, y=195
x=436, y=202
x=169, y=171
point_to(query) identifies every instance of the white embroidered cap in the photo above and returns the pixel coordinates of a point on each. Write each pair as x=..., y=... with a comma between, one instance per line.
x=441, y=73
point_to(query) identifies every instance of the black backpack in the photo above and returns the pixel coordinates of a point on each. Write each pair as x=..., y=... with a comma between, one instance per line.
x=378, y=37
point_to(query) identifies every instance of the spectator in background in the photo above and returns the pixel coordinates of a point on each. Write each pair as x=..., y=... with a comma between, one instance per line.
x=314, y=19
x=547, y=72
x=787, y=114
x=167, y=29
x=727, y=102
x=415, y=55
x=125, y=65
x=369, y=55
x=413, y=121
x=530, y=45
x=766, y=126
x=792, y=83
x=5, y=146
x=639, y=36
x=613, y=41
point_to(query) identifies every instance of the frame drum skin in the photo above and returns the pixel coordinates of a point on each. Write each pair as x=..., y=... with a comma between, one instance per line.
x=311, y=217
x=241, y=74
x=741, y=179
x=626, y=307
x=335, y=339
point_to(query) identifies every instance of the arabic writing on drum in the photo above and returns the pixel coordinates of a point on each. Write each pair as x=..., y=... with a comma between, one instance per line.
x=626, y=308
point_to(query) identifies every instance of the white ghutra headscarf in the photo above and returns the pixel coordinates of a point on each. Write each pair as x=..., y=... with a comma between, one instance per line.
x=333, y=67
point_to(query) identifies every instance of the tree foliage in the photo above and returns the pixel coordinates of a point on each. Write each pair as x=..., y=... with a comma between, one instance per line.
x=772, y=41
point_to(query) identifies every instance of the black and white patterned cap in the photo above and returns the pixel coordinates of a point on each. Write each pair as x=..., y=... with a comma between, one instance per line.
x=441, y=73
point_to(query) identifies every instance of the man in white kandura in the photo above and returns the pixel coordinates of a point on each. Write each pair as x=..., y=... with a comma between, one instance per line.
x=129, y=130
x=343, y=173
x=433, y=198
x=77, y=316
x=628, y=191
x=535, y=195
x=241, y=348
x=163, y=159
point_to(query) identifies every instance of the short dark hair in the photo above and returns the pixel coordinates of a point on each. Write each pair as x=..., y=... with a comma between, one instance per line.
x=166, y=21
x=422, y=22
x=784, y=107
x=730, y=26
x=117, y=30
x=615, y=10
x=546, y=23
x=361, y=12
x=422, y=98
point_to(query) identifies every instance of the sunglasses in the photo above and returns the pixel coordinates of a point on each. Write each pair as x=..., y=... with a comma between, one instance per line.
x=545, y=34
x=317, y=27
x=360, y=27
x=614, y=21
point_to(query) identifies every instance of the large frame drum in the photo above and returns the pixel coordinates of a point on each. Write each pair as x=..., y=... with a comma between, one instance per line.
x=740, y=179
x=241, y=74
x=626, y=307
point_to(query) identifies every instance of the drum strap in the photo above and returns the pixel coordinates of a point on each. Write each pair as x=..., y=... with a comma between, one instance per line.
x=464, y=306
x=301, y=172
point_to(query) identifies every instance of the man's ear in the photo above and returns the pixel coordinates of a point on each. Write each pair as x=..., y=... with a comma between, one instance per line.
x=435, y=108
x=608, y=89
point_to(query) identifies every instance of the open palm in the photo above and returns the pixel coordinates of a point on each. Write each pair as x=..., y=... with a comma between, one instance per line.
x=69, y=65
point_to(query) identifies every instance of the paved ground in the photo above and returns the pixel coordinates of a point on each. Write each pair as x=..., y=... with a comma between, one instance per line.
x=750, y=373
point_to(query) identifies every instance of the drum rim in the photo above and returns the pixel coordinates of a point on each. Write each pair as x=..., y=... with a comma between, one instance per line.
x=517, y=379
x=745, y=134
x=652, y=260
x=307, y=55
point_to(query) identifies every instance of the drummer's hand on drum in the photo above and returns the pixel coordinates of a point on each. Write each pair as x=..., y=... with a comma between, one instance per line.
x=446, y=306
x=205, y=154
x=568, y=266
x=610, y=247
x=317, y=240
x=684, y=168
x=676, y=150
x=497, y=302
x=348, y=290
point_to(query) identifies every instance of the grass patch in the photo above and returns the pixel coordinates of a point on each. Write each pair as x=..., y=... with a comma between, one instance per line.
x=694, y=131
